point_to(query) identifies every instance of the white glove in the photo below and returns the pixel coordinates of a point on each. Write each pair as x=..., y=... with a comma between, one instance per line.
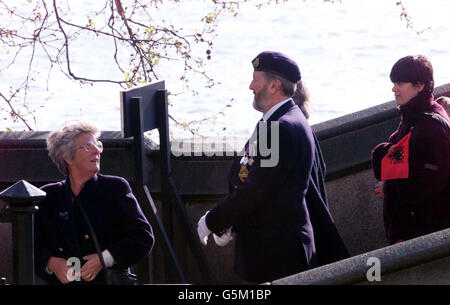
x=202, y=230
x=224, y=239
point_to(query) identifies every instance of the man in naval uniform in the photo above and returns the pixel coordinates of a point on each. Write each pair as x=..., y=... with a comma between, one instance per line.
x=265, y=208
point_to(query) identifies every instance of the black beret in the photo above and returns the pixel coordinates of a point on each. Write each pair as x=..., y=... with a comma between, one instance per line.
x=277, y=63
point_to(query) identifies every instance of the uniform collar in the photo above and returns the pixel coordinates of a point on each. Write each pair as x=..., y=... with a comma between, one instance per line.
x=274, y=108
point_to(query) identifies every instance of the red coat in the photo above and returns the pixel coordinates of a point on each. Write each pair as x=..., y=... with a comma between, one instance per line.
x=419, y=204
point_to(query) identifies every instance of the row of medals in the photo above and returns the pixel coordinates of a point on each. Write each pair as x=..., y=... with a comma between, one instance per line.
x=246, y=160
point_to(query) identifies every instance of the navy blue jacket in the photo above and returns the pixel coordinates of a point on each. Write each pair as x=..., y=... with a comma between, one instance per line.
x=268, y=210
x=119, y=224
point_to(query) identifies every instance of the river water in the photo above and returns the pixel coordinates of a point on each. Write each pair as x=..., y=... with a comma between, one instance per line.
x=345, y=51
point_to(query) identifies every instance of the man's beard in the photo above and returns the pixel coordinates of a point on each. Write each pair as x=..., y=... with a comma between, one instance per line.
x=260, y=99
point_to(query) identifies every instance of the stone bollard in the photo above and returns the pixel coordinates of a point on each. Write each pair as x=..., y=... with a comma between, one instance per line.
x=22, y=198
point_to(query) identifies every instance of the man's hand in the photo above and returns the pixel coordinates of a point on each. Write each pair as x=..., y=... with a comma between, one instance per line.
x=59, y=267
x=224, y=239
x=202, y=230
x=91, y=268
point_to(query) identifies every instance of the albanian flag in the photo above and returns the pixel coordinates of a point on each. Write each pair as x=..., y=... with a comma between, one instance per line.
x=395, y=165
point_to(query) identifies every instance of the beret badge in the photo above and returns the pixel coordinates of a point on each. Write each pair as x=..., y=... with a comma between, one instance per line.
x=256, y=63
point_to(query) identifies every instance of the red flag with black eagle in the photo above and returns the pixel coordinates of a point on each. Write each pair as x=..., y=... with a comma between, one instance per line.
x=395, y=165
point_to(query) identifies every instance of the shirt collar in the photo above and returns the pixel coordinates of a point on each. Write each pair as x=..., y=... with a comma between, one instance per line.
x=274, y=108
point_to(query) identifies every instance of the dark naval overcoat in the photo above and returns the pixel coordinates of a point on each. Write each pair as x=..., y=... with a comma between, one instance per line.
x=267, y=208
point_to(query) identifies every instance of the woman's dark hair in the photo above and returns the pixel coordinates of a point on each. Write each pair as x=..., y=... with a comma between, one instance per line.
x=414, y=69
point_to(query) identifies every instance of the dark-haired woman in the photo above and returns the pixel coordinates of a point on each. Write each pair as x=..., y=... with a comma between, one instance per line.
x=415, y=162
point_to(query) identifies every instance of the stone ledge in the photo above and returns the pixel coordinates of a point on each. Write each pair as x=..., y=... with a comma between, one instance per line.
x=393, y=258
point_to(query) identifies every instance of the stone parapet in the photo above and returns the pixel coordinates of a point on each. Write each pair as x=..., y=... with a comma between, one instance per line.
x=422, y=260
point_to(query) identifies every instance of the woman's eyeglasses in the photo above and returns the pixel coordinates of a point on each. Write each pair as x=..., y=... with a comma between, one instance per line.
x=89, y=146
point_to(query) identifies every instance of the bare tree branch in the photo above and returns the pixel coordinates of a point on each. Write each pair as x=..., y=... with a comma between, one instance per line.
x=14, y=113
x=42, y=29
x=409, y=24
